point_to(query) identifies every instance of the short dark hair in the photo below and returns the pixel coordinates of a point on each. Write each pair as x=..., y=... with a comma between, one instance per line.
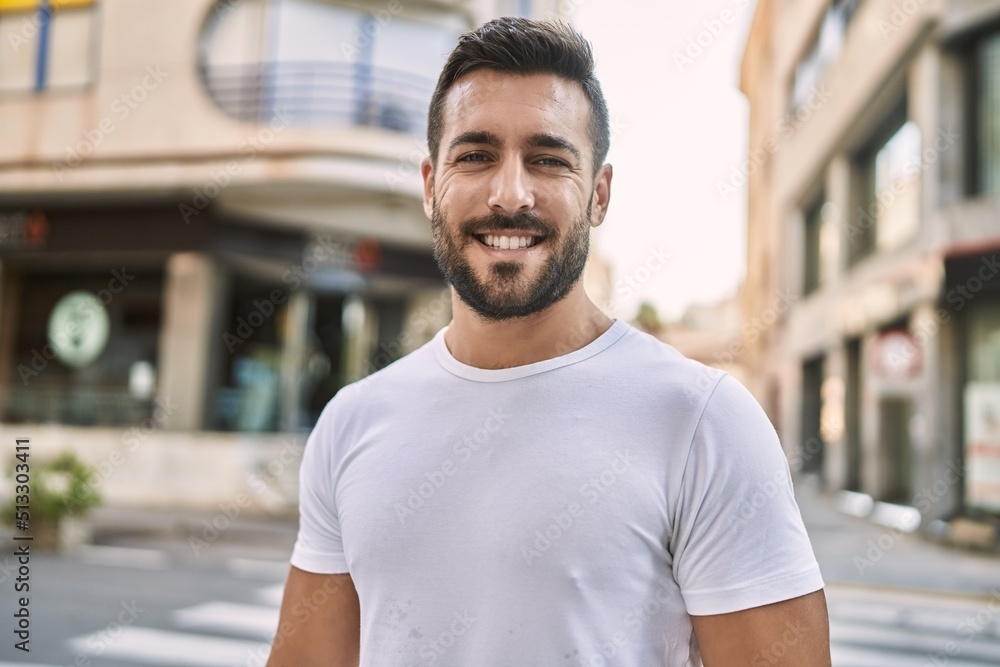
x=521, y=46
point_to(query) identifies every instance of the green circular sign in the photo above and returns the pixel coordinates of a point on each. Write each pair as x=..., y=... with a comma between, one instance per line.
x=78, y=328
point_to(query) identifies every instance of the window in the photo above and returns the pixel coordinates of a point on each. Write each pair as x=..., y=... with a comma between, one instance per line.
x=811, y=440
x=886, y=186
x=324, y=64
x=981, y=394
x=824, y=50
x=897, y=188
x=812, y=268
x=47, y=44
x=84, y=353
x=986, y=110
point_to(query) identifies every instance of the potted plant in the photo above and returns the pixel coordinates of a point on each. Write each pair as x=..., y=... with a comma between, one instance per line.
x=59, y=497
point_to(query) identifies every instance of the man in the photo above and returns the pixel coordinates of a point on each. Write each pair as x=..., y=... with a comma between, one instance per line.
x=541, y=485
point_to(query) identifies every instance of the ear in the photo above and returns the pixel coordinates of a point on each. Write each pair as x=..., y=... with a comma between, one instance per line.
x=602, y=195
x=427, y=173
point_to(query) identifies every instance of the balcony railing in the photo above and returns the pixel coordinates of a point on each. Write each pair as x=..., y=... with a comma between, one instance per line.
x=79, y=406
x=322, y=93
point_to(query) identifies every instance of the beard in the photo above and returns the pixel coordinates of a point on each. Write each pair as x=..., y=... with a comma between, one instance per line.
x=507, y=291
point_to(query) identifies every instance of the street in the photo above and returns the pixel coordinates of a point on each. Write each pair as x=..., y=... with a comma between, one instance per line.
x=156, y=600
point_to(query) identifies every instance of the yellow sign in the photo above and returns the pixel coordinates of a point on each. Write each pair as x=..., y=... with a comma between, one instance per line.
x=33, y=5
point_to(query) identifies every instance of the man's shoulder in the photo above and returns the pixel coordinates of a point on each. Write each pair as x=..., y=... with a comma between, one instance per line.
x=649, y=359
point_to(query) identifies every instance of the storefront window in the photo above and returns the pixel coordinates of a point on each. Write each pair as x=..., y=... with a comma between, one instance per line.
x=253, y=341
x=982, y=409
x=86, y=349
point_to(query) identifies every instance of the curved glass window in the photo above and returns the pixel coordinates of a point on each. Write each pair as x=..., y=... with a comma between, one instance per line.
x=318, y=63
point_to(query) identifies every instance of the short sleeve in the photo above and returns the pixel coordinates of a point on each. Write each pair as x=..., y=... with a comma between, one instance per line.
x=738, y=539
x=318, y=547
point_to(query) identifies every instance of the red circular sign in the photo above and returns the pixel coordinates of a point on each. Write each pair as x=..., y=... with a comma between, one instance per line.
x=896, y=355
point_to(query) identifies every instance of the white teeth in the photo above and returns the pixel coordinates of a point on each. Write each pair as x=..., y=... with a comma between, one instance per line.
x=508, y=242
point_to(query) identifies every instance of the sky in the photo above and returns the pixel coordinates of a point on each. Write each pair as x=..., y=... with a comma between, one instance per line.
x=679, y=129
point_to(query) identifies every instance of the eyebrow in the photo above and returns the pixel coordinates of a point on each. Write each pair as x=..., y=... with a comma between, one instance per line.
x=475, y=137
x=544, y=140
x=537, y=140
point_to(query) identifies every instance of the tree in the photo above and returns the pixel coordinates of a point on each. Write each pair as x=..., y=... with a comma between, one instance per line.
x=648, y=319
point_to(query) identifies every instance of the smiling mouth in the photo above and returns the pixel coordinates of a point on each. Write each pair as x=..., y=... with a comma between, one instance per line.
x=500, y=242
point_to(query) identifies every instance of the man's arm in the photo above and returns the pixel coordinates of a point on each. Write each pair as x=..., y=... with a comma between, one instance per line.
x=792, y=633
x=320, y=622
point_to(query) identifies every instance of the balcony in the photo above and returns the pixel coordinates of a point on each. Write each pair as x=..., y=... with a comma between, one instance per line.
x=321, y=94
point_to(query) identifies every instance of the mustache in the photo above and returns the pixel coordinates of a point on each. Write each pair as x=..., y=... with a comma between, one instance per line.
x=497, y=222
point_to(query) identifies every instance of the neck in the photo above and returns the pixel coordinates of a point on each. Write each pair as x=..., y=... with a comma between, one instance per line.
x=566, y=326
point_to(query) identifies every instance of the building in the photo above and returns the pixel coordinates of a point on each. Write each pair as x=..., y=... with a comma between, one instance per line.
x=874, y=235
x=710, y=333
x=210, y=221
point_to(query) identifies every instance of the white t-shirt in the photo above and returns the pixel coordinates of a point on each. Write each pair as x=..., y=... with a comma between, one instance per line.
x=570, y=512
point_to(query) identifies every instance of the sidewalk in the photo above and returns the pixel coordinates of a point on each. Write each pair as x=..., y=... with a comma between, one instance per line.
x=850, y=551
x=188, y=535
x=858, y=552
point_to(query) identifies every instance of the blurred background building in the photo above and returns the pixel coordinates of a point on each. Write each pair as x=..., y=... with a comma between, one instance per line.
x=874, y=236
x=211, y=221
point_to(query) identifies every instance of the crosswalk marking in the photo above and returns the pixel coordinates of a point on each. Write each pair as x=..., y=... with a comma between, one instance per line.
x=876, y=628
x=914, y=642
x=265, y=570
x=271, y=595
x=848, y=656
x=163, y=647
x=236, y=619
x=868, y=628
x=147, y=559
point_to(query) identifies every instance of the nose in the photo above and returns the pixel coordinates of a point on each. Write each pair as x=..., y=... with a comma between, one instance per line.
x=511, y=190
